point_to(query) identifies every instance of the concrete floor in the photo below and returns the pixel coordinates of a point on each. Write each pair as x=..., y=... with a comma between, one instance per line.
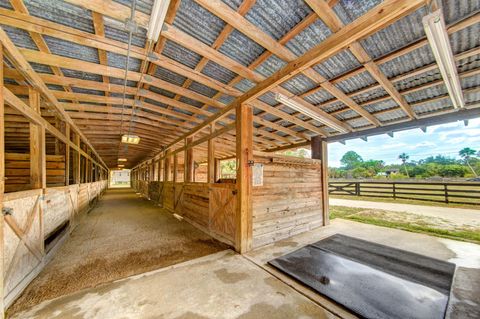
x=227, y=285
x=459, y=216
x=123, y=235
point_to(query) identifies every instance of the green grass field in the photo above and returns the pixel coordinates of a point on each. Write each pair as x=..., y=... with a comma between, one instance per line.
x=409, y=222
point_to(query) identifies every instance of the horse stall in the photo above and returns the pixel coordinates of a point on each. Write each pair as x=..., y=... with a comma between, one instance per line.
x=287, y=197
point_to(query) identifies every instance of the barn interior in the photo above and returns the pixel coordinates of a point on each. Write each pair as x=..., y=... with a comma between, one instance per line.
x=174, y=90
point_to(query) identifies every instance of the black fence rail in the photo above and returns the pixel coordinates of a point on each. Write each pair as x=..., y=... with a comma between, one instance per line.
x=455, y=193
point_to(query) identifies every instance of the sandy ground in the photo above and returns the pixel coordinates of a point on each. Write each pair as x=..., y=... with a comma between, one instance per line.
x=123, y=236
x=458, y=216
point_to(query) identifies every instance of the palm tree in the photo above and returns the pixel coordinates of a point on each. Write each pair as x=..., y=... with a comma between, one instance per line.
x=466, y=153
x=404, y=157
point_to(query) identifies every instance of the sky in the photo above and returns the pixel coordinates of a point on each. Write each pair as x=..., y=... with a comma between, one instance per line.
x=446, y=139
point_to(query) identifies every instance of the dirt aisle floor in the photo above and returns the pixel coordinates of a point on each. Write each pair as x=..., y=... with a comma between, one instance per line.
x=123, y=235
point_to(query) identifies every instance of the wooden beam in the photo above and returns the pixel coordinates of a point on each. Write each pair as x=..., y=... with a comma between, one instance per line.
x=320, y=151
x=32, y=77
x=377, y=18
x=78, y=162
x=244, y=127
x=38, y=170
x=175, y=168
x=166, y=176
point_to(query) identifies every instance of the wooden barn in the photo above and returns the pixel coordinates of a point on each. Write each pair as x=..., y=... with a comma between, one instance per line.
x=177, y=91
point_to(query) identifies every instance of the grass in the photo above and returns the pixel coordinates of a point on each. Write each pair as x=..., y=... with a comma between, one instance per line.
x=420, y=225
x=404, y=201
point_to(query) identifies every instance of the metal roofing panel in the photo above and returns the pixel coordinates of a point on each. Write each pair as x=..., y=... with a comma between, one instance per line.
x=198, y=22
x=319, y=97
x=115, y=33
x=465, y=39
x=276, y=18
x=81, y=75
x=71, y=50
x=161, y=91
x=408, y=62
x=144, y=6
x=244, y=85
x=433, y=107
x=270, y=66
x=119, y=61
x=429, y=93
x=390, y=116
x=181, y=54
x=218, y=72
x=5, y=4
x=418, y=80
x=240, y=48
x=169, y=76
x=355, y=83
x=396, y=35
x=202, y=89
x=310, y=37
x=234, y=4
x=369, y=95
x=61, y=12
x=299, y=84
x=336, y=65
x=121, y=82
x=19, y=37
x=87, y=91
x=350, y=10
x=454, y=10
x=380, y=106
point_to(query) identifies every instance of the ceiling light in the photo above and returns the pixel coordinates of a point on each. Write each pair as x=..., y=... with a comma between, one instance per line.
x=307, y=111
x=159, y=11
x=130, y=139
x=439, y=42
x=120, y=165
x=122, y=159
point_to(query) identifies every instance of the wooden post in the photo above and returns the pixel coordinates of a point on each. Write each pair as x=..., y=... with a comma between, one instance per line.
x=175, y=168
x=211, y=158
x=189, y=165
x=2, y=180
x=161, y=172
x=218, y=169
x=166, y=172
x=38, y=169
x=320, y=151
x=67, y=155
x=78, y=178
x=244, y=144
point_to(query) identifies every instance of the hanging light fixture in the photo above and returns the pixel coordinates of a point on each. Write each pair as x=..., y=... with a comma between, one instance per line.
x=130, y=139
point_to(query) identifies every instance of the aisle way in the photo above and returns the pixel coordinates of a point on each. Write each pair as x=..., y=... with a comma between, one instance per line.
x=122, y=236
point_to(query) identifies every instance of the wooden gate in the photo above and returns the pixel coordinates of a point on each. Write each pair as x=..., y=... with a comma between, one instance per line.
x=222, y=210
x=23, y=240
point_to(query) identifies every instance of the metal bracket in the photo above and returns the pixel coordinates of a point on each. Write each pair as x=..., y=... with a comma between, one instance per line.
x=251, y=163
x=7, y=211
x=131, y=26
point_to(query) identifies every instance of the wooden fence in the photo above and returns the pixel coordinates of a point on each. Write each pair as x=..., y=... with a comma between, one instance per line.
x=455, y=193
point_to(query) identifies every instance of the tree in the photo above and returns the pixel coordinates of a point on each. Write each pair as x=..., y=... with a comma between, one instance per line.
x=466, y=154
x=404, y=157
x=351, y=160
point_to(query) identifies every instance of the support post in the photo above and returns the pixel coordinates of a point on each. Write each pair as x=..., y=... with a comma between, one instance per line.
x=211, y=158
x=78, y=178
x=175, y=168
x=320, y=152
x=189, y=165
x=38, y=169
x=166, y=172
x=67, y=155
x=2, y=180
x=218, y=169
x=244, y=145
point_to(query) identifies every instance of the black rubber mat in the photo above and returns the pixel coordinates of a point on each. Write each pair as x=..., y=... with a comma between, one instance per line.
x=372, y=280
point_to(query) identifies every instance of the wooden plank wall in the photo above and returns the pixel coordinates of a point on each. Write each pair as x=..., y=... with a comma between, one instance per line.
x=17, y=171
x=31, y=218
x=201, y=204
x=290, y=200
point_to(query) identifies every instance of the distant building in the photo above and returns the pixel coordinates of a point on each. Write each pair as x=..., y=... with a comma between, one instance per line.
x=391, y=171
x=120, y=177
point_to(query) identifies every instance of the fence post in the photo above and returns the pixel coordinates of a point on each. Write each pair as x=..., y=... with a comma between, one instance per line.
x=357, y=188
x=394, y=191
x=445, y=188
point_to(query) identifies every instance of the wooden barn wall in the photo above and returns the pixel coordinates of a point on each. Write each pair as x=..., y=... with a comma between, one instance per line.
x=290, y=200
x=209, y=207
x=17, y=171
x=31, y=216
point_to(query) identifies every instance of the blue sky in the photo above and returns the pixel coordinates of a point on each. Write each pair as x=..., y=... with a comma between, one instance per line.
x=446, y=139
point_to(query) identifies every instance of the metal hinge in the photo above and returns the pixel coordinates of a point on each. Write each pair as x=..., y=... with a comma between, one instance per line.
x=7, y=211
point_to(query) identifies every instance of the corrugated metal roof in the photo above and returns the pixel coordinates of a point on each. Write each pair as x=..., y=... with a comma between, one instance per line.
x=218, y=72
x=240, y=48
